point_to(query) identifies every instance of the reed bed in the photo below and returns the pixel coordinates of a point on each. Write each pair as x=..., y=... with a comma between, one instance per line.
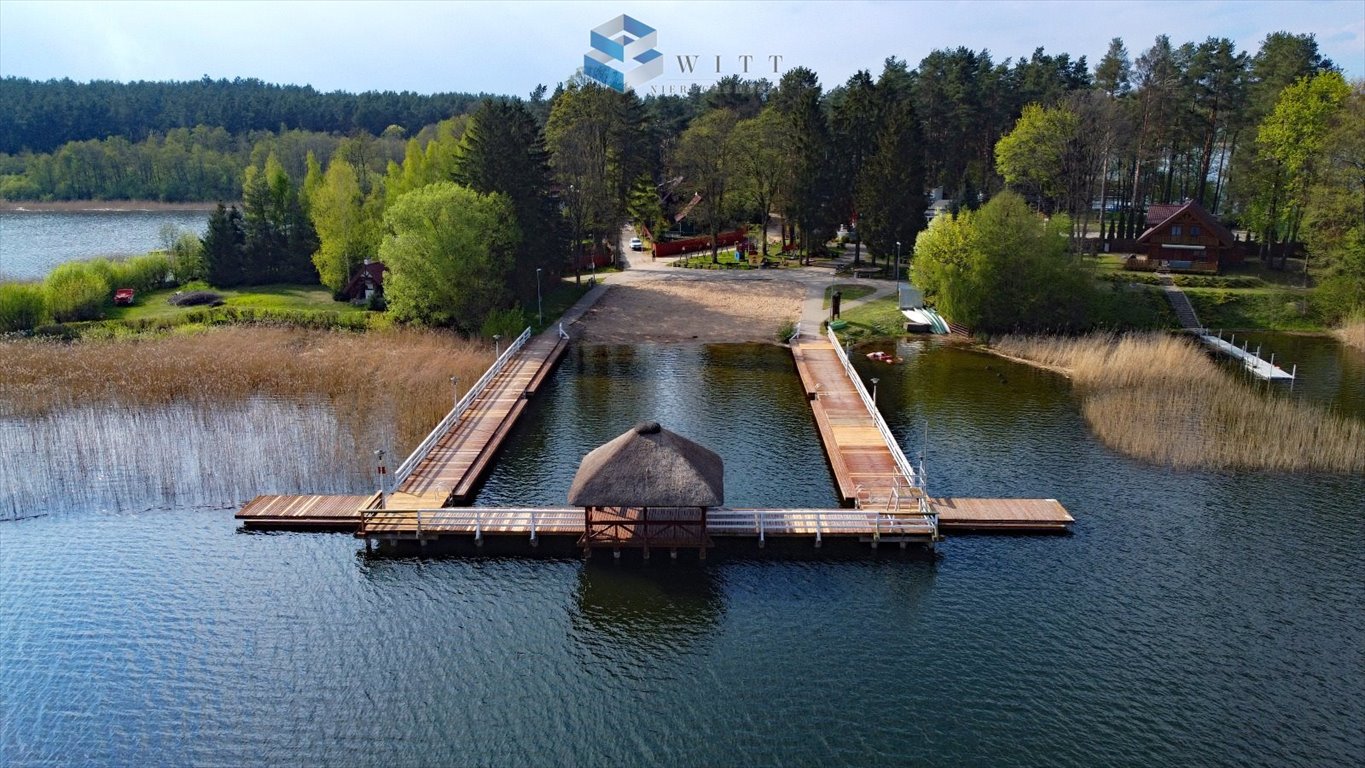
x=1160, y=398
x=219, y=415
x=1352, y=333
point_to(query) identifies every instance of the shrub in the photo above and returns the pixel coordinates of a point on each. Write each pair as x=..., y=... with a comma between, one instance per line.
x=22, y=306
x=141, y=273
x=77, y=290
x=507, y=323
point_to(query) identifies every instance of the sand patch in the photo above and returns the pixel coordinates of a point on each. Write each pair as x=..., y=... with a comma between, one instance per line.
x=675, y=309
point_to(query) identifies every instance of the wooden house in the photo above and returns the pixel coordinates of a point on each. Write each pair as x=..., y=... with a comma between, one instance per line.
x=366, y=283
x=648, y=488
x=1185, y=238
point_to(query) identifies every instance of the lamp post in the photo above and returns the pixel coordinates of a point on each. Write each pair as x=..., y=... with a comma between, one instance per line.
x=874, y=390
x=898, y=269
x=540, y=317
x=380, y=471
x=455, y=386
x=497, y=350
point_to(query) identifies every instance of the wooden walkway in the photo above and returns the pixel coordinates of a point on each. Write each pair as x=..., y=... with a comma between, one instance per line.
x=864, y=467
x=452, y=469
x=352, y=513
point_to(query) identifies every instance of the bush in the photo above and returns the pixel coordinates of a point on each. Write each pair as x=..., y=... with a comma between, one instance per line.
x=77, y=290
x=141, y=273
x=22, y=306
x=507, y=323
x=196, y=298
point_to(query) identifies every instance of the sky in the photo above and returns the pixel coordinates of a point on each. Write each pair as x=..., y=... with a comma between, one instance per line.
x=510, y=47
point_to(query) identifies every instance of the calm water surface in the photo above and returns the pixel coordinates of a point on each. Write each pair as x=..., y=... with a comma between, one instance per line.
x=1194, y=618
x=33, y=242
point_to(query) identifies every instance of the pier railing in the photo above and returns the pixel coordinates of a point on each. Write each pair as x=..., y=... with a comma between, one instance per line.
x=902, y=463
x=424, y=447
x=762, y=523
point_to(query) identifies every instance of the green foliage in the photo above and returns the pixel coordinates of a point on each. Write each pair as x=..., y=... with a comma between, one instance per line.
x=1030, y=157
x=348, y=229
x=504, y=152
x=279, y=239
x=1003, y=268
x=22, y=306
x=1334, y=215
x=448, y=251
x=223, y=247
x=187, y=258
x=1276, y=310
x=505, y=323
x=705, y=158
x=76, y=290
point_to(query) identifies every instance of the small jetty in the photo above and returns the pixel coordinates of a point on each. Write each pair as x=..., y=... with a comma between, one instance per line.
x=1251, y=360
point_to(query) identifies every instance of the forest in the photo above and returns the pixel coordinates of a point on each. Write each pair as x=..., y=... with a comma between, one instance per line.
x=1268, y=141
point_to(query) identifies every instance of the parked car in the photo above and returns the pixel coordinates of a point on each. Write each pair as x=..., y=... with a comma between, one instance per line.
x=123, y=297
x=636, y=244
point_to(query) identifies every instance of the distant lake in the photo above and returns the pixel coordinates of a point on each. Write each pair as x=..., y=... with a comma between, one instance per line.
x=33, y=242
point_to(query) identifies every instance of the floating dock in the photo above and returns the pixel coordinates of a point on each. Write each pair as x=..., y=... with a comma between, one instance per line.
x=1250, y=359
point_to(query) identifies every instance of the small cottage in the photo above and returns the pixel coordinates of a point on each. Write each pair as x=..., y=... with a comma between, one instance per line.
x=647, y=488
x=366, y=283
x=1185, y=238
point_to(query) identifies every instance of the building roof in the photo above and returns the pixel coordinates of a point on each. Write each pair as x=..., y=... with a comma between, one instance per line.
x=649, y=466
x=1160, y=212
x=1214, y=226
x=371, y=272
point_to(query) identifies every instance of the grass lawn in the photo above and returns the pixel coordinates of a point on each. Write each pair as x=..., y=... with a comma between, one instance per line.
x=879, y=317
x=1270, y=308
x=850, y=291
x=278, y=296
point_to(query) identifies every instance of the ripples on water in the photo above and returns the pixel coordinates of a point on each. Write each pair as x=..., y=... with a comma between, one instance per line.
x=1193, y=618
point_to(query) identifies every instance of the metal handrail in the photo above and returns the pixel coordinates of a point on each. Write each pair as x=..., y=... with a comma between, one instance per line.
x=902, y=463
x=451, y=418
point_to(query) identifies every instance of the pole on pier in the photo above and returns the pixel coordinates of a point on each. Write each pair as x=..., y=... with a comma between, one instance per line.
x=380, y=472
x=497, y=350
x=874, y=390
x=455, y=385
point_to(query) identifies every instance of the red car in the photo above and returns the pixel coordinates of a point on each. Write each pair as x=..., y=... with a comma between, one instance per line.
x=123, y=296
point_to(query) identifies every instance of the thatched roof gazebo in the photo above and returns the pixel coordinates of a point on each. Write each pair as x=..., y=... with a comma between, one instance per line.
x=647, y=488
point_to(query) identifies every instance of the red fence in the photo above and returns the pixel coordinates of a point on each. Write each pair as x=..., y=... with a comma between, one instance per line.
x=723, y=240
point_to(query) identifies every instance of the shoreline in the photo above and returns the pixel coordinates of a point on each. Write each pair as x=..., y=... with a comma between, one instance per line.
x=102, y=206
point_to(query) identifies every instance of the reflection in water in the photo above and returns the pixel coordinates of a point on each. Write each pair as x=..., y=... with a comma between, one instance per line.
x=645, y=610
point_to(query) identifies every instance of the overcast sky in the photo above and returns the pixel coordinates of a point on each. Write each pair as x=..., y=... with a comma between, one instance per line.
x=510, y=47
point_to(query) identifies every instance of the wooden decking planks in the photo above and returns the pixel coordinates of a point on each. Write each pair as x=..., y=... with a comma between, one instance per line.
x=306, y=511
x=1001, y=514
x=858, y=454
x=459, y=460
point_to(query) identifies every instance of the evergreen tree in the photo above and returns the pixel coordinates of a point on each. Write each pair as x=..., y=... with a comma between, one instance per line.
x=223, y=247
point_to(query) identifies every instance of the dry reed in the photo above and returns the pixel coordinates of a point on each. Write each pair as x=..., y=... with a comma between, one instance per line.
x=1158, y=397
x=1352, y=333
x=402, y=376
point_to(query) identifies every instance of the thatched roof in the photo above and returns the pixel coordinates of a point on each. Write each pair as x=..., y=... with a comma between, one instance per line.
x=649, y=466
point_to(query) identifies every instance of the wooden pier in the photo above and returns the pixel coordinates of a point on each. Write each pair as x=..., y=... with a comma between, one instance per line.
x=356, y=514
x=446, y=468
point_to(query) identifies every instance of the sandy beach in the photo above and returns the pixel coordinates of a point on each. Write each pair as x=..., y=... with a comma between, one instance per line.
x=683, y=309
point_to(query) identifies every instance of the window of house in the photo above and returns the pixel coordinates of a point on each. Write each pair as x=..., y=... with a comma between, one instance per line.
x=1175, y=231
x=1194, y=231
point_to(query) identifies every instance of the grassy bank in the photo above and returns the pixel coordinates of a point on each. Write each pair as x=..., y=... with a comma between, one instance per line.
x=399, y=377
x=1159, y=398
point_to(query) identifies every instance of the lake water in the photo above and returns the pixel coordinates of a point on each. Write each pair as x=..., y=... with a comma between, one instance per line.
x=33, y=242
x=1193, y=618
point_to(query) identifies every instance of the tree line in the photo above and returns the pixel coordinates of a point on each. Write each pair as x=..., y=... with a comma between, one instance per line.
x=40, y=116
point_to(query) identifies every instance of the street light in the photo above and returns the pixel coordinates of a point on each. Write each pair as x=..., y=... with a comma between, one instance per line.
x=455, y=385
x=497, y=350
x=540, y=316
x=898, y=268
x=874, y=390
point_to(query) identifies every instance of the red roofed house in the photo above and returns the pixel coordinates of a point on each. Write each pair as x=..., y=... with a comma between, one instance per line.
x=1185, y=238
x=366, y=282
